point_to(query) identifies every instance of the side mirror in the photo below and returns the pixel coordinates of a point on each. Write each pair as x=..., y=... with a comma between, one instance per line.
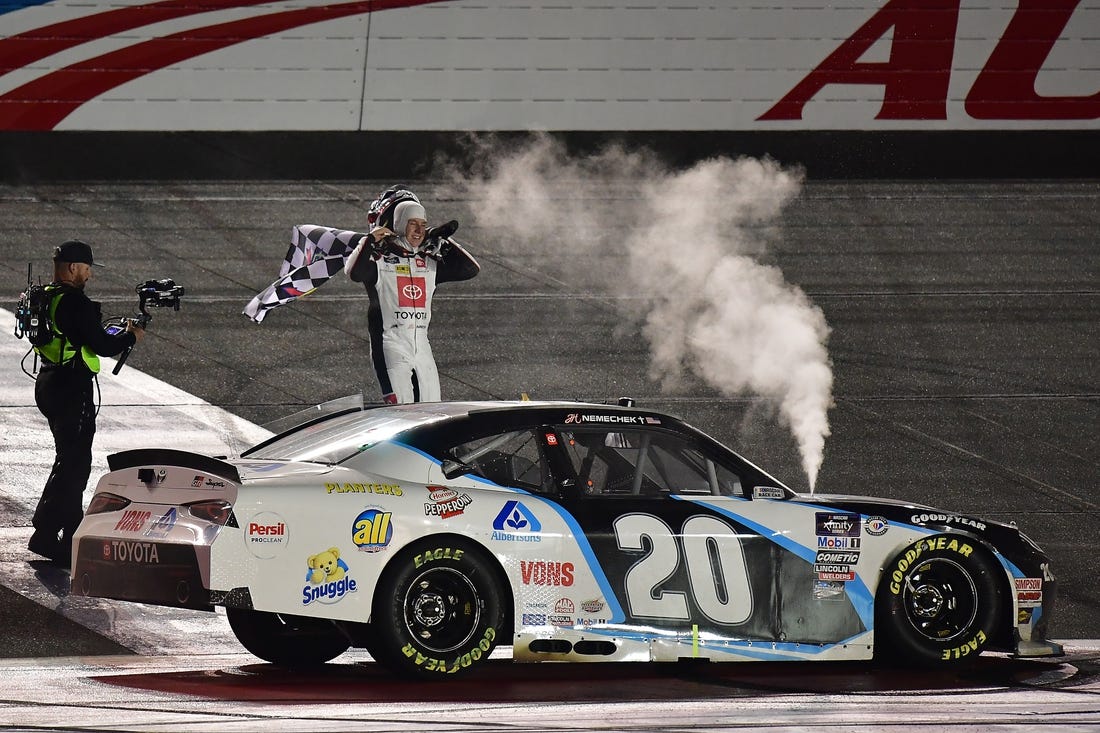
x=453, y=469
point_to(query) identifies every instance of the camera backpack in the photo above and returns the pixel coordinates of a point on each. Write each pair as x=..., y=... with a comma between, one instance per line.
x=32, y=316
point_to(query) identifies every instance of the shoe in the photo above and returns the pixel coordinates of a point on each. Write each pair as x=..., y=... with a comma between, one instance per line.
x=45, y=545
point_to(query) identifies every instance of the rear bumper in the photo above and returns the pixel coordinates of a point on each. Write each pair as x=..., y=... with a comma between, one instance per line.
x=160, y=573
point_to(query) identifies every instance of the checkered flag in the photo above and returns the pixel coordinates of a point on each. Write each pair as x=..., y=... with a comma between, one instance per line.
x=316, y=253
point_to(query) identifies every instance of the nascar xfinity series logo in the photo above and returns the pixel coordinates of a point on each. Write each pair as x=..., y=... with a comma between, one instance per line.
x=516, y=523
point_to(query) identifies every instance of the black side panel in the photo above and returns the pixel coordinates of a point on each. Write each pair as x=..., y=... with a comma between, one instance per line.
x=170, y=457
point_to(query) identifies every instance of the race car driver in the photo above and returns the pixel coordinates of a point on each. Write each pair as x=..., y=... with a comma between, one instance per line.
x=400, y=265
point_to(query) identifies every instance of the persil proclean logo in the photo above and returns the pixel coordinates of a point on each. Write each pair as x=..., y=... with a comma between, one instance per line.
x=266, y=535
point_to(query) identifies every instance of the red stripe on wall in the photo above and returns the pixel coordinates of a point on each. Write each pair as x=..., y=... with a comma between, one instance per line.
x=43, y=103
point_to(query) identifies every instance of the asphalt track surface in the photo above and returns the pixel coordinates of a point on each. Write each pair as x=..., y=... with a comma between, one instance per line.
x=965, y=323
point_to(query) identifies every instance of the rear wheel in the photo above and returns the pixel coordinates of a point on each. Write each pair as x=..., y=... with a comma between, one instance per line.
x=283, y=639
x=940, y=602
x=437, y=611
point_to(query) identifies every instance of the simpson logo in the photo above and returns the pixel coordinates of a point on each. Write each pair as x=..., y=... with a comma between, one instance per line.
x=445, y=503
x=1029, y=592
x=516, y=523
x=837, y=525
x=266, y=535
x=371, y=531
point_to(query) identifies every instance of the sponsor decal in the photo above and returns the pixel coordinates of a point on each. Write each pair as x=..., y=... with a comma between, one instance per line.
x=197, y=481
x=372, y=530
x=421, y=263
x=969, y=647
x=838, y=543
x=557, y=620
x=594, y=606
x=876, y=526
x=460, y=661
x=542, y=572
x=767, y=492
x=534, y=619
x=578, y=418
x=829, y=524
x=391, y=259
x=140, y=553
x=445, y=503
x=848, y=558
x=516, y=523
x=551, y=439
x=439, y=553
x=214, y=483
x=946, y=519
x=266, y=535
x=410, y=293
x=841, y=576
x=917, y=550
x=564, y=605
x=1029, y=592
x=164, y=524
x=828, y=590
x=1023, y=616
x=132, y=520
x=327, y=578
x=349, y=488
x=403, y=270
x=1048, y=574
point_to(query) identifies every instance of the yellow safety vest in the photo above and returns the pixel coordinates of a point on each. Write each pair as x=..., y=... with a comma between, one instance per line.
x=59, y=350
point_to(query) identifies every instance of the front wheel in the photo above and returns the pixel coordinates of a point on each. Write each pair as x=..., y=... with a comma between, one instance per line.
x=286, y=640
x=437, y=611
x=940, y=602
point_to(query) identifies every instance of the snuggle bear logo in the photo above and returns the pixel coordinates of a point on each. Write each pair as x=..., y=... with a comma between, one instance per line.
x=327, y=578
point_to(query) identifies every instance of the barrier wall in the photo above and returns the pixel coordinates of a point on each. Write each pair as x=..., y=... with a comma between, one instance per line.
x=682, y=73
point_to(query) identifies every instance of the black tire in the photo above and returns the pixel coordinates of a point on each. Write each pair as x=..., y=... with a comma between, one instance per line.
x=437, y=610
x=289, y=641
x=940, y=603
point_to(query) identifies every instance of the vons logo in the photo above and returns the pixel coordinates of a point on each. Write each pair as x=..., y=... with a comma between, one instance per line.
x=541, y=572
x=132, y=520
x=445, y=503
x=372, y=531
x=266, y=535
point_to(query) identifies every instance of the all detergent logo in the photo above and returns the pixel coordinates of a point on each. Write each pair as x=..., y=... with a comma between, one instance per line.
x=266, y=535
x=516, y=523
x=328, y=578
x=372, y=530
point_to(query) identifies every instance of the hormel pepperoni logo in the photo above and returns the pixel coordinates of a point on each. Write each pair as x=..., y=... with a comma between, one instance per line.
x=540, y=572
x=445, y=503
x=410, y=292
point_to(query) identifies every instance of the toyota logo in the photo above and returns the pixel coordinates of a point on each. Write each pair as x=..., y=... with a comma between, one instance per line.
x=413, y=292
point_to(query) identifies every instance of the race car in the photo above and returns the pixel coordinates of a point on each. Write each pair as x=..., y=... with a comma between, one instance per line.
x=431, y=533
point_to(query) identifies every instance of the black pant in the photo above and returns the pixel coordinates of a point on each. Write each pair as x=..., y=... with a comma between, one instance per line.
x=64, y=396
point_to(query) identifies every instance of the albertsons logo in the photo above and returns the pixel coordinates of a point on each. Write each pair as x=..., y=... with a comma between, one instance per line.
x=516, y=523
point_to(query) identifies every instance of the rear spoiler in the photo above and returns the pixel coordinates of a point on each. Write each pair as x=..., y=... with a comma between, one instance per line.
x=170, y=457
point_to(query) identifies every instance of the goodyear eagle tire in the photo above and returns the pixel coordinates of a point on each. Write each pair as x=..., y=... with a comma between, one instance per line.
x=437, y=610
x=941, y=602
x=289, y=641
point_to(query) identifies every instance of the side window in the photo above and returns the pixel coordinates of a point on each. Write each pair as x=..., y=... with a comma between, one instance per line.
x=644, y=463
x=509, y=459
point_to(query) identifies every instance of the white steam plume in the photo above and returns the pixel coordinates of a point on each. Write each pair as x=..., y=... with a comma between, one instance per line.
x=689, y=239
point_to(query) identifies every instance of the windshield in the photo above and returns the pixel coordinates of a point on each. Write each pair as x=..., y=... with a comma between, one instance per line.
x=340, y=438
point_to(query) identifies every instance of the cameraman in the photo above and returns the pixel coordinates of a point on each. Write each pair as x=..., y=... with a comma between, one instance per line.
x=63, y=393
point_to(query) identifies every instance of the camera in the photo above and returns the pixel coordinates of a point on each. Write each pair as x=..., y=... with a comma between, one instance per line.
x=163, y=293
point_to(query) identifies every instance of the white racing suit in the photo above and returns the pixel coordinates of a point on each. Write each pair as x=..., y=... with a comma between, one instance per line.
x=400, y=285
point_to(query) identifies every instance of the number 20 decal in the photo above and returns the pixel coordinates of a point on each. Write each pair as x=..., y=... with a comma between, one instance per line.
x=715, y=567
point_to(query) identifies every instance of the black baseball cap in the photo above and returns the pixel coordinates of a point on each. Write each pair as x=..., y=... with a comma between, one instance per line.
x=74, y=251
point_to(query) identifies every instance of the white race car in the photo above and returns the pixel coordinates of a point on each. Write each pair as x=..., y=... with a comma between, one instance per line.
x=430, y=533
